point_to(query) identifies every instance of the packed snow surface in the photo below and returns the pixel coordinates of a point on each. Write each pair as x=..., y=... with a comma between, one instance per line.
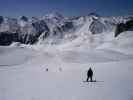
x=23, y=74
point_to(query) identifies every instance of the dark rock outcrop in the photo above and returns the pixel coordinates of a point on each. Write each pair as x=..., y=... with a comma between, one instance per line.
x=97, y=27
x=128, y=26
x=1, y=19
x=24, y=18
x=7, y=38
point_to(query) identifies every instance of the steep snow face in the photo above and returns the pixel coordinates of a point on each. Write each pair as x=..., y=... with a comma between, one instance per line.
x=122, y=43
x=23, y=20
x=55, y=28
x=101, y=25
x=9, y=25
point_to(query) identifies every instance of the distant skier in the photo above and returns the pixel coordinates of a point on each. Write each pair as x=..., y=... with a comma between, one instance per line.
x=60, y=69
x=89, y=75
x=46, y=69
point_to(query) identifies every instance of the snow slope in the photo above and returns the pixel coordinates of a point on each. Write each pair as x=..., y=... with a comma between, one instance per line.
x=11, y=56
x=29, y=80
x=123, y=43
x=57, y=71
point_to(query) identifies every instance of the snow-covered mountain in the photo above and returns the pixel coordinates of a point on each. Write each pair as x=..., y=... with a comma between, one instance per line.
x=55, y=66
x=55, y=28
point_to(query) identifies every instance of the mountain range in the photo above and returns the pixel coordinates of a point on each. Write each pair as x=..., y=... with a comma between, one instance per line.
x=54, y=28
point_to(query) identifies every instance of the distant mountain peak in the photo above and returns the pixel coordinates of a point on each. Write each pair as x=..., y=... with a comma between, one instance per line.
x=93, y=14
x=24, y=18
x=54, y=15
x=53, y=27
x=1, y=19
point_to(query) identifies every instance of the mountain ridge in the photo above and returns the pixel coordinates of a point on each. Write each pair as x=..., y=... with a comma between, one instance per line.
x=54, y=27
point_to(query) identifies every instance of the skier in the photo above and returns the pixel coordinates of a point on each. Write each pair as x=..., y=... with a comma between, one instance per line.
x=89, y=75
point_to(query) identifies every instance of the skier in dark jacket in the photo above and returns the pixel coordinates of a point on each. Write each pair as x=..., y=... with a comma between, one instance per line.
x=89, y=75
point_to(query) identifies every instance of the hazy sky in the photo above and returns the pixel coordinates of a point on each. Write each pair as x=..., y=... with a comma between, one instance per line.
x=65, y=7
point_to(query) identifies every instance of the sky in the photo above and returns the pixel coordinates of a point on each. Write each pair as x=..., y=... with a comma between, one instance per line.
x=66, y=7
